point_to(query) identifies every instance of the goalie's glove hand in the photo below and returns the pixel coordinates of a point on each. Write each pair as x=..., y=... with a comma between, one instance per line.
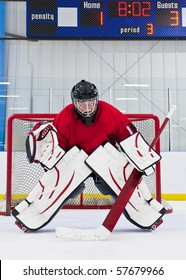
x=42, y=146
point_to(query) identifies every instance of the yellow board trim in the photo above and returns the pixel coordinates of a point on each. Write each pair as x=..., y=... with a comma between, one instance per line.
x=85, y=195
x=174, y=196
x=167, y=196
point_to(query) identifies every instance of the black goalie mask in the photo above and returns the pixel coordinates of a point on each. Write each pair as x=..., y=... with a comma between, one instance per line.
x=85, y=99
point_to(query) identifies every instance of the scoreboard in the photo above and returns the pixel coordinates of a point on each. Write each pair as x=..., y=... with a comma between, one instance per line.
x=106, y=19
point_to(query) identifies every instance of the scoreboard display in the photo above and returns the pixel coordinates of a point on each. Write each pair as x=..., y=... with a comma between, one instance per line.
x=106, y=19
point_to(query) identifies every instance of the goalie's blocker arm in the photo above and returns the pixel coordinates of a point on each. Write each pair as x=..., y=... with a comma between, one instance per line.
x=42, y=146
x=139, y=153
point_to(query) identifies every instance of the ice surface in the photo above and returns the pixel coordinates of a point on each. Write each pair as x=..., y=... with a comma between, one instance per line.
x=127, y=242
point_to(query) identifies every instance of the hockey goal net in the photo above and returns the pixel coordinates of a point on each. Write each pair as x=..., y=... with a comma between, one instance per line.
x=23, y=176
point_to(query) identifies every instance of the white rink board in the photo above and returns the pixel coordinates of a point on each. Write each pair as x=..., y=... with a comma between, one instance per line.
x=173, y=175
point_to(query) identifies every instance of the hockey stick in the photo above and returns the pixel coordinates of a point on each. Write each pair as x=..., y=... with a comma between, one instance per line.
x=118, y=207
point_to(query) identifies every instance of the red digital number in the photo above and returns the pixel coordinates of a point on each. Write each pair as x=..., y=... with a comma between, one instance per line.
x=135, y=9
x=146, y=9
x=122, y=9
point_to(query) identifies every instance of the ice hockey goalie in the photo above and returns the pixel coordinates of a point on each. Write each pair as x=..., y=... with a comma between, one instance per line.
x=67, y=174
x=88, y=139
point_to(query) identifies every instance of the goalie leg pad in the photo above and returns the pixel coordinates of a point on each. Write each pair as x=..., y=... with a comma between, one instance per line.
x=111, y=166
x=114, y=169
x=53, y=190
x=142, y=213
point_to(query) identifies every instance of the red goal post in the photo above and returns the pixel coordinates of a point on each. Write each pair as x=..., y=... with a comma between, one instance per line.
x=23, y=176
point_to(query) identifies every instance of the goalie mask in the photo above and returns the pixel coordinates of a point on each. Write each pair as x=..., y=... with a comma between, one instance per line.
x=85, y=99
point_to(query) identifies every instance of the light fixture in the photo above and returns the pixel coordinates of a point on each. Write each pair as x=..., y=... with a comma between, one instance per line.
x=9, y=96
x=136, y=85
x=17, y=108
x=127, y=98
x=4, y=83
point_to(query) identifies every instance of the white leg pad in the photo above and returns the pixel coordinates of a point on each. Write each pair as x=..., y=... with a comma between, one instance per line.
x=52, y=189
x=113, y=167
x=141, y=212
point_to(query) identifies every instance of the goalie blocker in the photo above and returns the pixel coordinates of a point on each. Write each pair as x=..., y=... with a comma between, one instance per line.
x=139, y=153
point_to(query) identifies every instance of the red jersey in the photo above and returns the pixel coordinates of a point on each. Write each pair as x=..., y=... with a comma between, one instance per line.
x=109, y=126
